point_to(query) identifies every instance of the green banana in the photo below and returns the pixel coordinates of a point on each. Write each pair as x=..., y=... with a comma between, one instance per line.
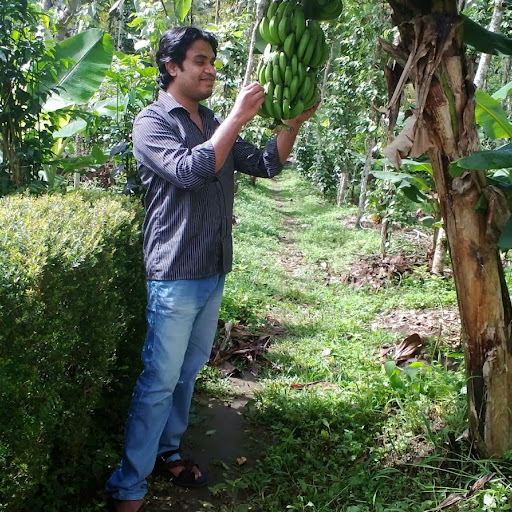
x=286, y=108
x=317, y=54
x=294, y=63
x=302, y=72
x=299, y=22
x=283, y=5
x=305, y=88
x=263, y=28
x=304, y=40
x=295, y=48
x=268, y=71
x=325, y=55
x=331, y=7
x=312, y=100
x=278, y=93
x=289, y=45
x=288, y=75
x=272, y=8
x=269, y=99
x=278, y=111
x=273, y=30
x=260, y=72
x=296, y=109
x=276, y=73
x=283, y=28
x=263, y=112
x=282, y=64
x=294, y=86
x=306, y=58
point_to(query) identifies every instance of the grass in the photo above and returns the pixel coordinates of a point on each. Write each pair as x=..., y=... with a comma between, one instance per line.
x=361, y=439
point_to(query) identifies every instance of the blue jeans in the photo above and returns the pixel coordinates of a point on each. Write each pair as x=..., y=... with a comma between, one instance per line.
x=182, y=320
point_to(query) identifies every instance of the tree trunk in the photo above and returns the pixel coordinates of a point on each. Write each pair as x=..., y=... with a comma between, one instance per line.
x=260, y=4
x=384, y=230
x=506, y=79
x=370, y=143
x=342, y=185
x=485, y=59
x=443, y=125
x=440, y=249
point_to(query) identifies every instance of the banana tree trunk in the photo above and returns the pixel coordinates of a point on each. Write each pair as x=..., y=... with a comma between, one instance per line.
x=432, y=56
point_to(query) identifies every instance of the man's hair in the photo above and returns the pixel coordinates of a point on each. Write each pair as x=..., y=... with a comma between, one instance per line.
x=173, y=47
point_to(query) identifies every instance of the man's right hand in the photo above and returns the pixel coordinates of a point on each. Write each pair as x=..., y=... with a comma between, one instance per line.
x=248, y=102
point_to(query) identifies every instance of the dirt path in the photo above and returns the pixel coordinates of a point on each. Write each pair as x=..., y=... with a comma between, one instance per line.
x=215, y=439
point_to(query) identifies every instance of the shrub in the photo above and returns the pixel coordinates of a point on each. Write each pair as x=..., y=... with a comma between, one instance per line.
x=71, y=315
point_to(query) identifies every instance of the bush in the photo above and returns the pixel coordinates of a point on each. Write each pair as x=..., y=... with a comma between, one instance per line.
x=71, y=315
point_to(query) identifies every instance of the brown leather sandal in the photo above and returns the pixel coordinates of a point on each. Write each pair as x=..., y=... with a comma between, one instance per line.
x=187, y=476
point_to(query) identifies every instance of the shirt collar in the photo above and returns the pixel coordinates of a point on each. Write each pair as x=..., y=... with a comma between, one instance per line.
x=170, y=104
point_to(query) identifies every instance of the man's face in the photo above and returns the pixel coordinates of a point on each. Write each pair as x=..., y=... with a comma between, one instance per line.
x=197, y=75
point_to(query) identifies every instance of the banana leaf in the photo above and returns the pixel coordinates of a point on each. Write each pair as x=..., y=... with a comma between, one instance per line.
x=181, y=8
x=83, y=59
x=491, y=116
x=500, y=158
x=485, y=41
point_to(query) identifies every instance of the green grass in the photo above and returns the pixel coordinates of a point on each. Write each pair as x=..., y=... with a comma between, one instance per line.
x=362, y=440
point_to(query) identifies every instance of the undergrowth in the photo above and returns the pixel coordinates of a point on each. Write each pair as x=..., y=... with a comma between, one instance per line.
x=336, y=427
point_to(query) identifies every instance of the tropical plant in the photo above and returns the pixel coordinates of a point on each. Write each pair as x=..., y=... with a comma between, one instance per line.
x=431, y=52
x=25, y=132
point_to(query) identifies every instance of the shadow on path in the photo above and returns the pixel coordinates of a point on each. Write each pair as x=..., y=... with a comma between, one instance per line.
x=215, y=440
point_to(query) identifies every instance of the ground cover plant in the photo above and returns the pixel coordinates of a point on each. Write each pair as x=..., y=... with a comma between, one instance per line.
x=339, y=424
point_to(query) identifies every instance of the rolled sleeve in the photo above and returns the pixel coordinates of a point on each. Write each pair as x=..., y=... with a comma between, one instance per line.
x=255, y=162
x=164, y=151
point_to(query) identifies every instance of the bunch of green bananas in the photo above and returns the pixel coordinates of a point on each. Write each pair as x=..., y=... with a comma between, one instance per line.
x=296, y=49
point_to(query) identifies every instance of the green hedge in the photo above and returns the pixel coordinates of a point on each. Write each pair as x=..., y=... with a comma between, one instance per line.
x=72, y=299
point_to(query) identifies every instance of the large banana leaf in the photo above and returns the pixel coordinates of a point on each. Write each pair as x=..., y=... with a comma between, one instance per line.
x=83, y=59
x=500, y=158
x=181, y=8
x=485, y=41
x=491, y=116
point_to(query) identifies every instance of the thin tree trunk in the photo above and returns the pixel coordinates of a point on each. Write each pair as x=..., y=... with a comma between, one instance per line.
x=440, y=249
x=443, y=125
x=370, y=143
x=322, y=94
x=342, y=185
x=260, y=4
x=384, y=229
x=506, y=79
x=485, y=59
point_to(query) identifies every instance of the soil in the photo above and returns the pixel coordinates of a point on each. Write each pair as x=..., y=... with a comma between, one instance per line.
x=217, y=440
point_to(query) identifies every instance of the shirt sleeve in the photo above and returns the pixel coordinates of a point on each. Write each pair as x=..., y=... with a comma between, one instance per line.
x=263, y=163
x=163, y=149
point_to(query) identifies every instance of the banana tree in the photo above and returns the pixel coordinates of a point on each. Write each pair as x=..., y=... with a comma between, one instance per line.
x=431, y=54
x=81, y=63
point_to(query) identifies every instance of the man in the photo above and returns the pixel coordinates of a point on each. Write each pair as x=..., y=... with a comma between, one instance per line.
x=187, y=161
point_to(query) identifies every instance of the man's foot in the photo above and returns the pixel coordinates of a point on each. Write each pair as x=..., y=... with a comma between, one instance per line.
x=183, y=472
x=130, y=506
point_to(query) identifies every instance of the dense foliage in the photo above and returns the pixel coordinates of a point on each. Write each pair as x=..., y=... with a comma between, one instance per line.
x=71, y=316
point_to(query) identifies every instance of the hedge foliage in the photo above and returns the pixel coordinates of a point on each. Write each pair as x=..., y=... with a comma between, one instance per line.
x=72, y=299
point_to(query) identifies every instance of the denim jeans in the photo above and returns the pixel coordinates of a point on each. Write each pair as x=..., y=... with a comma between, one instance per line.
x=182, y=320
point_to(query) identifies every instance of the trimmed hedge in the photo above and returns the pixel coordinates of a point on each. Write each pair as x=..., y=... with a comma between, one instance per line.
x=72, y=299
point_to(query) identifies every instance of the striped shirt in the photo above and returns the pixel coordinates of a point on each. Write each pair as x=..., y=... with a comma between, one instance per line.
x=189, y=207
